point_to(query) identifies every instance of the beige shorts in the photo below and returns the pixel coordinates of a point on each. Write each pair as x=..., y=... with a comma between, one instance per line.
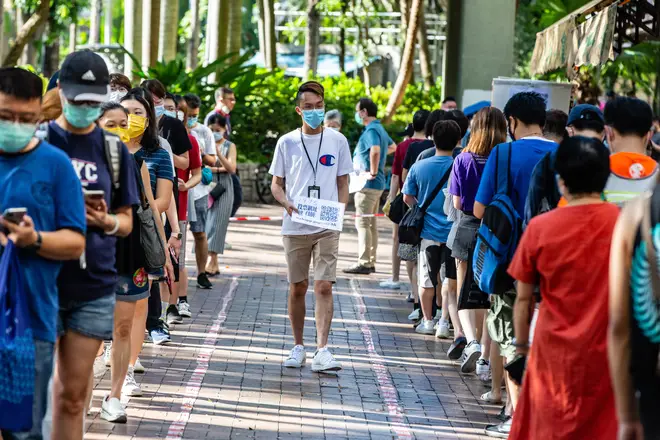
x=299, y=250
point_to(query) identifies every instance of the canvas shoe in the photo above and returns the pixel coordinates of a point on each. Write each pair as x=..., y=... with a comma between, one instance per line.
x=425, y=328
x=325, y=361
x=297, y=357
x=112, y=410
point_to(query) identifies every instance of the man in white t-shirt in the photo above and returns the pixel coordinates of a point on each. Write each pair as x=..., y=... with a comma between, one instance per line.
x=313, y=162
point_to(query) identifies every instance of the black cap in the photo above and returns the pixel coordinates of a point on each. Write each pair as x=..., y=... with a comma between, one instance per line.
x=586, y=112
x=84, y=76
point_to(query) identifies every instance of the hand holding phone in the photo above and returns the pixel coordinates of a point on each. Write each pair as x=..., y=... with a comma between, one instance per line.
x=18, y=227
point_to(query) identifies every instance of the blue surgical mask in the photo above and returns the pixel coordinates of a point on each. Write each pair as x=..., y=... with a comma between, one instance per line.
x=358, y=119
x=170, y=113
x=314, y=118
x=192, y=121
x=218, y=136
x=80, y=116
x=14, y=136
x=160, y=110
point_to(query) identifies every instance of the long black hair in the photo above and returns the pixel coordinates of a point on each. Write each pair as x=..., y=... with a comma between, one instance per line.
x=149, y=141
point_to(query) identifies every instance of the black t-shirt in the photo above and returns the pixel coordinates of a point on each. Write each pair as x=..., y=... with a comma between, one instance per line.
x=176, y=134
x=414, y=150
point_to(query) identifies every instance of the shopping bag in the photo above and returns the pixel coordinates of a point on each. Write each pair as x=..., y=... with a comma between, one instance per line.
x=16, y=346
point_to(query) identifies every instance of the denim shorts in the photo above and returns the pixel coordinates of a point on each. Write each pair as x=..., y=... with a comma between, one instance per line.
x=43, y=355
x=94, y=319
x=201, y=210
x=135, y=288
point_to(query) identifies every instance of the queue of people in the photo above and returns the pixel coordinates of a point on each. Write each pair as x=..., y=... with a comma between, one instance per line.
x=96, y=207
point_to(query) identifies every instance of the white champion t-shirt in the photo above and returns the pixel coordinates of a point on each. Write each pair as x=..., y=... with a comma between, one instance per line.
x=291, y=163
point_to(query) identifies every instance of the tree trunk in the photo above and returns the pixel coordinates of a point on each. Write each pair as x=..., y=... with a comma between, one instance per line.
x=130, y=25
x=95, y=22
x=269, y=32
x=223, y=27
x=424, y=54
x=404, y=6
x=261, y=26
x=2, y=29
x=342, y=38
x=193, y=44
x=234, y=27
x=26, y=33
x=51, y=58
x=73, y=37
x=403, y=77
x=154, y=39
x=107, y=25
x=137, y=37
x=169, y=26
x=212, y=13
x=312, y=38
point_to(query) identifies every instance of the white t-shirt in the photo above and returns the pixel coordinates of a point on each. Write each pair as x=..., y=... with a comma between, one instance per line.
x=165, y=145
x=206, y=147
x=291, y=163
x=204, y=137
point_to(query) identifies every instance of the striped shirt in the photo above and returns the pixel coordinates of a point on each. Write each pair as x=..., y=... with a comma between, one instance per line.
x=159, y=165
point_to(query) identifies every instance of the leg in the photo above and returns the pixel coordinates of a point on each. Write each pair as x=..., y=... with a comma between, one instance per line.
x=201, y=251
x=121, y=344
x=155, y=307
x=182, y=291
x=297, y=309
x=137, y=329
x=429, y=269
x=426, y=300
x=373, y=224
x=363, y=228
x=486, y=341
x=513, y=390
x=497, y=370
x=212, y=266
x=298, y=250
x=323, y=312
x=444, y=292
x=396, y=261
x=411, y=268
x=452, y=305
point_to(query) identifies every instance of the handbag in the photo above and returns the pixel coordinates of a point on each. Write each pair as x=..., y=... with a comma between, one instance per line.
x=150, y=240
x=207, y=176
x=217, y=191
x=412, y=223
x=471, y=296
x=408, y=252
x=16, y=346
x=397, y=209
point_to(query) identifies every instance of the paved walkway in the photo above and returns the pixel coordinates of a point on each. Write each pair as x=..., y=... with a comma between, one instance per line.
x=222, y=378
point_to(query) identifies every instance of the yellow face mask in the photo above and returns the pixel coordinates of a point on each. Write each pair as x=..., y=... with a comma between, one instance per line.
x=136, y=126
x=121, y=132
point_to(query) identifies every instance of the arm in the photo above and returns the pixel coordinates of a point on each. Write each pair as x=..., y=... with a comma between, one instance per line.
x=228, y=164
x=486, y=189
x=279, y=194
x=173, y=219
x=521, y=315
x=163, y=194
x=404, y=175
x=394, y=187
x=209, y=160
x=457, y=202
x=374, y=159
x=391, y=148
x=342, y=188
x=61, y=245
x=124, y=216
x=195, y=179
x=409, y=200
x=181, y=161
x=479, y=210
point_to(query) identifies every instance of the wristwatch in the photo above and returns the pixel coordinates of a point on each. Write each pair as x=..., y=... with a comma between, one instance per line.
x=178, y=235
x=36, y=246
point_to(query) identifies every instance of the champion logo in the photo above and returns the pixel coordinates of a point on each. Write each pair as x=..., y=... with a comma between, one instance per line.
x=89, y=76
x=327, y=160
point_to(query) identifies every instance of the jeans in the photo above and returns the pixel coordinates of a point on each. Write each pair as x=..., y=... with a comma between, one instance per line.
x=155, y=308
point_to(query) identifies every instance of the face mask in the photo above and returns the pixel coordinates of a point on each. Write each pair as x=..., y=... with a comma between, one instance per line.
x=313, y=118
x=333, y=128
x=136, y=126
x=121, y=132
x=179, y=115
x=358, y=118
x=117, y=95
x=160, y=110
x=80, y=116
x=192, y=121
x=14, y=137
x=225, y=109
x=170, y=113
x=511, y=135
x=218, y=136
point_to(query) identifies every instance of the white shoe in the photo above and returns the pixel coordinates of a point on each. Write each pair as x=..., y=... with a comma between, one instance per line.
x=131, y=388
x=471, y=355
x=138, y=367
x=297, y=357
x=112, y=410
x=184, y=310
x=483, y=370
x=414, y=316
x=390, y=284
x=325, y=361
x=107, y=355
x=425, y=327
x=443, y=329
x=438, y=315
x=99, y=367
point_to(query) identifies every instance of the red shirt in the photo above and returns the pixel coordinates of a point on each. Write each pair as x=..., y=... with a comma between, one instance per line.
x=400, y=155
x=194, y=161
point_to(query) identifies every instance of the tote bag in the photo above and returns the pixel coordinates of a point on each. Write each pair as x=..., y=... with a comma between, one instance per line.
x=16, y=346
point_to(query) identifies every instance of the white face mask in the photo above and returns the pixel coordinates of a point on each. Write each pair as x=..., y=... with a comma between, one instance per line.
x=117, y=95
x=179, y=115
x=225, y=109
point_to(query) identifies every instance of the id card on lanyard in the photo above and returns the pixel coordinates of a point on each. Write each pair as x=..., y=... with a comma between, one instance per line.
x=313, y=191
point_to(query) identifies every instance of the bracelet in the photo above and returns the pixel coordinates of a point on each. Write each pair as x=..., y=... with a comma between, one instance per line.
x=116, y=228
x=520, y=344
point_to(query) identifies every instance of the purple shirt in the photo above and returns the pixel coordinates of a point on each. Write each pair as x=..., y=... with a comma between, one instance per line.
x=465, y=177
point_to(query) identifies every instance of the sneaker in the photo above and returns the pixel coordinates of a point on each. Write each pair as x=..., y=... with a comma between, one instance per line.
x=390, y=284
x=410, y=298
x=471, y=355
x=297, y=357
x=456, y=349
x=184, y=309
x=499, y=431
x=203, y=281
x=414, y=316
x=138, y=368
x=483, y=370
x=112, y=410
x=325, y=361
x=159, y=336
x=99, y=367
x=426, y=327
x=107, y=355
x=438, y=315
x=131, y=388
x=228, y=246
x=372, y=269
x=442, y=331
x=173, y=316
x=359, y=269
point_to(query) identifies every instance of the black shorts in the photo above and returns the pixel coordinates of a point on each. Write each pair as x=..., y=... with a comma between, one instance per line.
x=449, y=262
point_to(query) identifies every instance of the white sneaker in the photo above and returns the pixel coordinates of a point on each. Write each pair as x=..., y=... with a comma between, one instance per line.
x=483, y=370
x=297, y=357
x=414, y=316
x=184, y=310
x=425, y=327
x=325, y=361
x=390, y=284
x=438, y=315
x=471, y=355
x=131, y=388
x=112, y=410
x=138, y=367
x=442, y=331
x=107, y=355
x=99, y=367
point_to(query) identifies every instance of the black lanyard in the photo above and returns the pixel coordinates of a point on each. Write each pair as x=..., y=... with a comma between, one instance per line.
x=318, y=155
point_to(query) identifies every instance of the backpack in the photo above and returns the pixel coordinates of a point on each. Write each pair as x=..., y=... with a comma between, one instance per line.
x=543, y=195
x=499, y=233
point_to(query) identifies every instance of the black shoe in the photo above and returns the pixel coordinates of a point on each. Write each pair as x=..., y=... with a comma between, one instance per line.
x=410, y=298
x=359, y=269
x=173, y=316
x=203, y=281
x=502, y=416
x=456, y=348
x=372, y=269
x=499, y=431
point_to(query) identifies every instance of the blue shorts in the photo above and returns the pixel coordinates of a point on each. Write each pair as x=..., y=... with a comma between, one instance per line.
x=43, y=355
x=135, y=288
x=94, y=319
x=201, y=211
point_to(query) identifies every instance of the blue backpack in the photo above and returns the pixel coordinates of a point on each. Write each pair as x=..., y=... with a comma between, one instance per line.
x=499, y=233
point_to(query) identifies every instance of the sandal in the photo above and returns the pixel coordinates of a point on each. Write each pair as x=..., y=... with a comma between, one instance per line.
x=488, y=398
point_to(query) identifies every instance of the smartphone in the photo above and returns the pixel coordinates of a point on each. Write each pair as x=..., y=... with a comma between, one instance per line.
x=516, y=368
x=96, y=195
x=14, y=215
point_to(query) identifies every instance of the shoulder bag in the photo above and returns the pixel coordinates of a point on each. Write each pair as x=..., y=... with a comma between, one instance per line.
x=150, y=240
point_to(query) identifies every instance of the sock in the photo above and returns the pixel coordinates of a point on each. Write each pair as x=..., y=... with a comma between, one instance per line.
x=183, y=299
x=416, y=306
x=164, y=306
x=323, y=349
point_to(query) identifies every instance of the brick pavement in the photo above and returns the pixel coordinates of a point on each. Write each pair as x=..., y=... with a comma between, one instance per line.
x=222, y=378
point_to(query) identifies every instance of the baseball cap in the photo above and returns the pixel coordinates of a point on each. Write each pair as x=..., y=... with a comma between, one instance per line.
x=84, y=76
x=585, y=112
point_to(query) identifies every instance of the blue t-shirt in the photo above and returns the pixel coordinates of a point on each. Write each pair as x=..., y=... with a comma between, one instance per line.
x=525, y=154
x=43, y=181
x=422, y=179
x=374, y=134
x=159, y=165
x=88, y=157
